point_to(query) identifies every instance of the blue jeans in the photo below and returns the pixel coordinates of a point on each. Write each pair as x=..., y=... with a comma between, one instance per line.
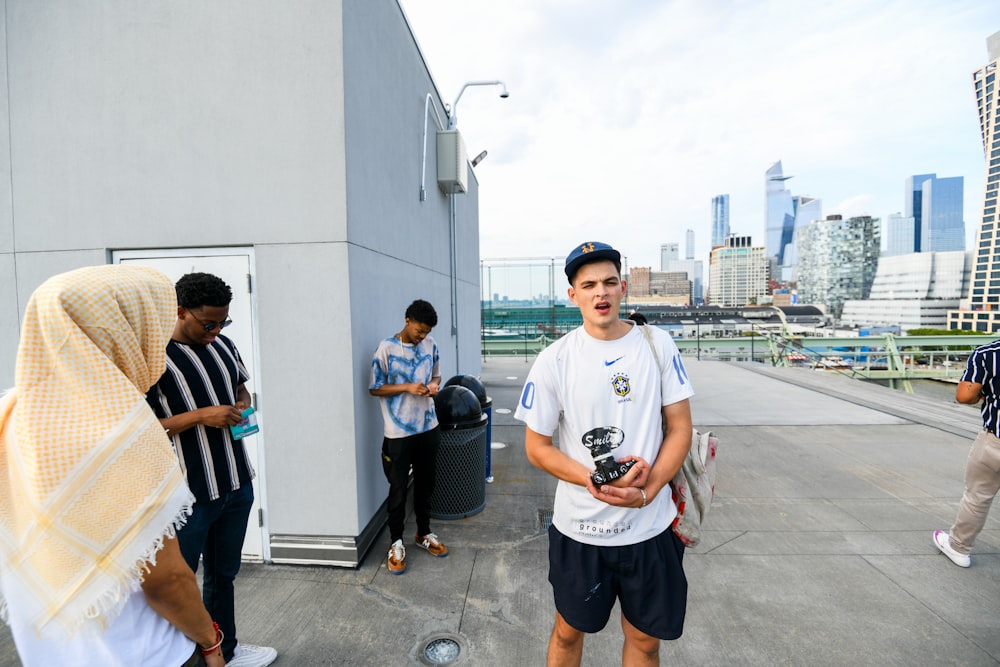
x=215, y=532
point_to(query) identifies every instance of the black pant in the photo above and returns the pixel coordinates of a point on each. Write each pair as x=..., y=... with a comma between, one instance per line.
x=398, y=456
x=196, y=659
x=214, y=532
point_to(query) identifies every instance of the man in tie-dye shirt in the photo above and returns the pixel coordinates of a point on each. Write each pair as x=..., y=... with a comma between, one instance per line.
x=405, y=377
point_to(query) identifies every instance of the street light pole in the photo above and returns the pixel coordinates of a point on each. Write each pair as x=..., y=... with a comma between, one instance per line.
x=697, y=335
x=453, y=215
x=453, y=112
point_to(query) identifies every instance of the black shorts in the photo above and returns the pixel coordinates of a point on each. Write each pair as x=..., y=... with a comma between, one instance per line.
x=648, y=578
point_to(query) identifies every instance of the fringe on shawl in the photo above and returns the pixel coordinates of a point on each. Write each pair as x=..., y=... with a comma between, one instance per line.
x=110, y=604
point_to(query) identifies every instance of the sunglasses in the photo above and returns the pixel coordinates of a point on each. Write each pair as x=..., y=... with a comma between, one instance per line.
x=211, y=326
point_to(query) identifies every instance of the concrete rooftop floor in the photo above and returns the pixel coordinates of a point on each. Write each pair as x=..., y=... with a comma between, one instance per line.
x=817, y=550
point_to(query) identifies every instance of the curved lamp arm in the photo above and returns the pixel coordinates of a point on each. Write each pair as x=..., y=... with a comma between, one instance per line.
x=452, y=113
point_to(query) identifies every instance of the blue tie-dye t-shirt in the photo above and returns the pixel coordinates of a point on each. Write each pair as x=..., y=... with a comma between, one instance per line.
x=396, y=362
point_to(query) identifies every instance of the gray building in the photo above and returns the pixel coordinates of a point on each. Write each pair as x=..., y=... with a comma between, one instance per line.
x=838, y=261
x=898, y=235
x=694, y=271
x=291, y=148
x=670, y=284
x=669, y=252
x=913, y=291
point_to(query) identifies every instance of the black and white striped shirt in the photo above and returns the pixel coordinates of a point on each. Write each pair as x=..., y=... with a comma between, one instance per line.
x=200, y=376
x=984, y=368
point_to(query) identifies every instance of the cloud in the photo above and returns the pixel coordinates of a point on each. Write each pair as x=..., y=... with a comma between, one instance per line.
x=857, y=205
x=626, y=118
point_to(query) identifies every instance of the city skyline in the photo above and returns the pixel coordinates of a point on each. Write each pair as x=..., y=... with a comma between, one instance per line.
x=624, y=121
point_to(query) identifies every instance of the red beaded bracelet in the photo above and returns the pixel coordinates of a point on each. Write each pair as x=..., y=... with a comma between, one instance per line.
x=219, y=636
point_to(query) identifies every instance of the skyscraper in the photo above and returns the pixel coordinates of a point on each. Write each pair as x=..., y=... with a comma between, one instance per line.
x=913, y=205
x=738, y=273
x=669, y=252
x=936, y=206
x=693, y=269
x=785, y=215
x=898, y=236
x=689, y=244
x=943, y=228
x=807, y=210
x=982, y=310
x=780, y=213
x=720, y=219
x=839, y=260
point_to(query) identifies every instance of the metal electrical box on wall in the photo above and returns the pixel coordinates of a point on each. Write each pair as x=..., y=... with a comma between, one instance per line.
x=452, y=162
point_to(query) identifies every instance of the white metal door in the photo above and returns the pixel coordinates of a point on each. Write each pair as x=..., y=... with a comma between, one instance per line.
x=235, y=267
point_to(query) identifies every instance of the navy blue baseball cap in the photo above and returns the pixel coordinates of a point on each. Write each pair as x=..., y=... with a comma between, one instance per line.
x=585, y=253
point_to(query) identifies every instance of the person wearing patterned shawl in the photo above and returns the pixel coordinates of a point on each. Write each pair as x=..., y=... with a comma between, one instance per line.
x=91, y=494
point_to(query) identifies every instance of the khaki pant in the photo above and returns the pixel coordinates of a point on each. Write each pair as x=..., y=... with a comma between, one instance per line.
x=982, y=481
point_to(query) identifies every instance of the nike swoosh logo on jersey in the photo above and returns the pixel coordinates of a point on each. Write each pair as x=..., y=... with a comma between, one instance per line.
x=609, y=363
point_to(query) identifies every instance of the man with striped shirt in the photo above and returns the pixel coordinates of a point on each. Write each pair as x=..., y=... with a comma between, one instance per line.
x=201, y=394
x=980, y=382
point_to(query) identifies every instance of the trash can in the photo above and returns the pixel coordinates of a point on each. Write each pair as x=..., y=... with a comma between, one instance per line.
x=472, y=383
x=460, y=472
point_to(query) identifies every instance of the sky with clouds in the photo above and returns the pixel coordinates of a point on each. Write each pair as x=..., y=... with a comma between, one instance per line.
x=626, y=118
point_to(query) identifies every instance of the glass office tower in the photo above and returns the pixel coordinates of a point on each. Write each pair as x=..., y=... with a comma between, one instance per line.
x=936, y=206
x=943, y=228
x=720, y=219
x=981, y=311
x=786, y=214
x=780, y=222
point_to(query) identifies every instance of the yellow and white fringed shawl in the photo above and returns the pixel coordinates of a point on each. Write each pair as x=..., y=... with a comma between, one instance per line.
x=89, y=483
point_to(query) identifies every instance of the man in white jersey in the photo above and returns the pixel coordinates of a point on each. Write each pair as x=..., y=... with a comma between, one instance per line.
x=601, y=387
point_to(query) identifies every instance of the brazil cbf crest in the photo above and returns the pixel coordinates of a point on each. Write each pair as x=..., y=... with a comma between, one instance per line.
x=619, y=382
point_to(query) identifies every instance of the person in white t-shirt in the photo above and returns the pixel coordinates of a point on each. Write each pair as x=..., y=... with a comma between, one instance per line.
x=91, y=572
x=601, y=388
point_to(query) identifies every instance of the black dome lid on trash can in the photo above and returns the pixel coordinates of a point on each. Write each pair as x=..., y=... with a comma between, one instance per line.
x=472, y=383
x=457, y=406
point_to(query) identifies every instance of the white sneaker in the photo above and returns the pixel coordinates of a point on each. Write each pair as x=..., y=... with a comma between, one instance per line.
x=942, y=541
x=248, y=655
x=396, y=561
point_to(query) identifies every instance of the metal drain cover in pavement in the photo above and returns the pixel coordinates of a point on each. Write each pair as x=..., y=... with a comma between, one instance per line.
x=442, y=648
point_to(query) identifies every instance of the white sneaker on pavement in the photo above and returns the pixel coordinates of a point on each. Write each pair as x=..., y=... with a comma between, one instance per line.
x=248, y=655
x=942, y=541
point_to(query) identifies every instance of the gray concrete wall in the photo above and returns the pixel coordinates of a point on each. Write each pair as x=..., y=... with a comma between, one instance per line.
x=9, y=322
x=175, y=123
x=400, y=245
x=294, y=128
